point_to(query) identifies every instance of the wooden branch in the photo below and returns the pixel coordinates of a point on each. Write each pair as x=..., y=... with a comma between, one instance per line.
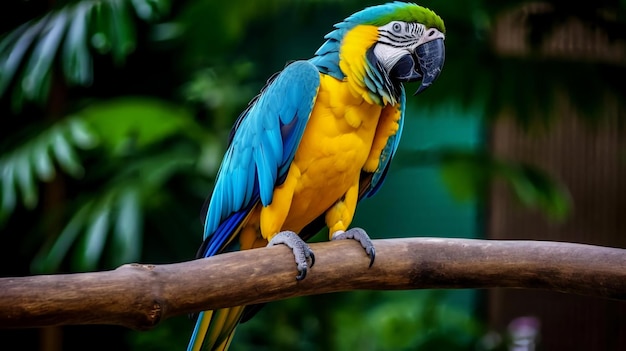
x=139, y=296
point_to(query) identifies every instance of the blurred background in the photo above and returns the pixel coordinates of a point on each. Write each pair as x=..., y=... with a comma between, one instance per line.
x=115, y=115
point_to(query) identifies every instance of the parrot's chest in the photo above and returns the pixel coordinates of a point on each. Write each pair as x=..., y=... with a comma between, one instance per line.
x=334, y=148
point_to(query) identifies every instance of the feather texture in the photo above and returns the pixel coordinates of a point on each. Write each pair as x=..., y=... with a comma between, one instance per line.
x=263, y=144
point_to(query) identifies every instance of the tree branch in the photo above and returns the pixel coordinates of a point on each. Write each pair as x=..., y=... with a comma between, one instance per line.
x=139, y=296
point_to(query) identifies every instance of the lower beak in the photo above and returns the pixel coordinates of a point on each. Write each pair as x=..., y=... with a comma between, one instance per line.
x=424, y=64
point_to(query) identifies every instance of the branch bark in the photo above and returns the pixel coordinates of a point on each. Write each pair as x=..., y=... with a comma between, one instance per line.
x=139, y=296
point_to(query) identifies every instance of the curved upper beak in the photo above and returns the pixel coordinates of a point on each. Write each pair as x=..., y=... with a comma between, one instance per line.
x=424, y=63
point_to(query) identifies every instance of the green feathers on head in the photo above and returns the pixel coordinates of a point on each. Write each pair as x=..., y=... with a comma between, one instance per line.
x=397, y=11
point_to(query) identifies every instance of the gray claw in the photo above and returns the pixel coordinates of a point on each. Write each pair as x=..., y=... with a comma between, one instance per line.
x=301, y=251
x=361, y=236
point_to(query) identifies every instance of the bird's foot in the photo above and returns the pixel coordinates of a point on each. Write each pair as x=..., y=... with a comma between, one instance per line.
x=359, y=235
x=301, y=251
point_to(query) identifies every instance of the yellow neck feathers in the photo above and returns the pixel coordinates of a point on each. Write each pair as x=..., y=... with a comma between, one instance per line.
x=352, y=60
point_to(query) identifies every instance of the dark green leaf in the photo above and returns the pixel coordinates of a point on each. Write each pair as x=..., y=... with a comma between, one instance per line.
x=65, y=154
x=25, y=181
x=77, y=61
x=11, y=59
x=7, y=41
x=95, y=237
x=80, y=133
x=121, y=31
x=49, y=260
x=138, y=122
x=9, y=196
x=34, y=160
x=128, y=229
x=42, y=56
x=151, y=9
x=42, y=160
x=100, y=27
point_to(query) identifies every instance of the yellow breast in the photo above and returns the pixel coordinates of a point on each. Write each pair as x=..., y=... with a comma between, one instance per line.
x=334, y=148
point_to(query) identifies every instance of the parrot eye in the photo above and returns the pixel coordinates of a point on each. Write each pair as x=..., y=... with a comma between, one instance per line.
x=396, y=27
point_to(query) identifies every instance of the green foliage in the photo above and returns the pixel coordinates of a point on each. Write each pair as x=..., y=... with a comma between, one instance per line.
x=135, y=123
x=66, y=36
x=133, y=180
x=124, y=131
x=363, y=320
x=420, y=320
x=114, y=213
x=35, y=159
x=221, y=90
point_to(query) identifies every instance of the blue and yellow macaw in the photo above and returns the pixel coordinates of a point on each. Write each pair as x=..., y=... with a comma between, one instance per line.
x=318, y=138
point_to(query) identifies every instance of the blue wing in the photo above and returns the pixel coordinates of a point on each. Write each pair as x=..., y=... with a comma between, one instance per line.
x=372, y=183
x=262, y=146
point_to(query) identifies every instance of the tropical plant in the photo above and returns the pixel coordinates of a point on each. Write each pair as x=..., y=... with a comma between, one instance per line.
x=66, y=37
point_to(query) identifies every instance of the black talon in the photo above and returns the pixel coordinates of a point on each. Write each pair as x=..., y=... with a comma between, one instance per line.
x=372, y=255
x=312, y=256
x=301, y=275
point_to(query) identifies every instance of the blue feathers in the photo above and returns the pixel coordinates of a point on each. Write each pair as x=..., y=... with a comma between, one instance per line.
x=222, y=235
x=261, y=148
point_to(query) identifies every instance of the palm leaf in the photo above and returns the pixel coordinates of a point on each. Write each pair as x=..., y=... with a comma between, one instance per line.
x=77, y=61
x=28, y=53
x=35, y=159
x=114, y=217
x=133, y=178
x=13, y=48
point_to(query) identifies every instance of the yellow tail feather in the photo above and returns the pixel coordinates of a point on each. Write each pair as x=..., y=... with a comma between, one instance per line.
x=216, y=329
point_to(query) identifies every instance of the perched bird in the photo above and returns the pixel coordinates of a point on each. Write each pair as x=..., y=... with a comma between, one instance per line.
x=318, y=139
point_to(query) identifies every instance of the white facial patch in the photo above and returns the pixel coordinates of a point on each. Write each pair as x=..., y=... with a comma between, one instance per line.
x=388, y=56
x=401, y=34
x=396, y=39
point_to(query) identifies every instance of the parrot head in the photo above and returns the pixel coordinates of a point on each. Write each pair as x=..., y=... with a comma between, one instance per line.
x=410, y=52
x=381, y=47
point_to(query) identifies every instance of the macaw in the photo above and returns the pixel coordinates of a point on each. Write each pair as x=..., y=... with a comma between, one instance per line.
x=317, y=139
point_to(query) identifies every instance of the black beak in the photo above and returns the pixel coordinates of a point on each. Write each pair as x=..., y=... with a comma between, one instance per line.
x=424, y=64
